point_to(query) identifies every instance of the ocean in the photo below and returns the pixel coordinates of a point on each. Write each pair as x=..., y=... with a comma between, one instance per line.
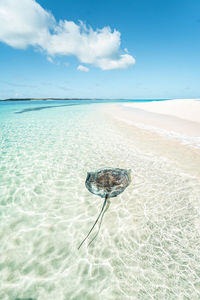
x=149, y=243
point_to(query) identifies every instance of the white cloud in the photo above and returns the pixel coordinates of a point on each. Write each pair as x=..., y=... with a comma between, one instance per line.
x=122, y=62
x=82, y=68
x=25, y=23
x=50, y=59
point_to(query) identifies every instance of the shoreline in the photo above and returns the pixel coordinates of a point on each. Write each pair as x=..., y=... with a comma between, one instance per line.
x=181, y=149
x=171, y=118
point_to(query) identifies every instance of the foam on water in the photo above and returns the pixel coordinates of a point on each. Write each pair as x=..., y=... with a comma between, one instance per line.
x=149, y=244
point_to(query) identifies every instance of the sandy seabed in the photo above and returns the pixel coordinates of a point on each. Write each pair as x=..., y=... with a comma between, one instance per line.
x=149, y=244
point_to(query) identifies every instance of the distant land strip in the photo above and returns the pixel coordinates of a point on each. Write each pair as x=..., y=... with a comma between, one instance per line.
x=92, y=99
x=43, y=99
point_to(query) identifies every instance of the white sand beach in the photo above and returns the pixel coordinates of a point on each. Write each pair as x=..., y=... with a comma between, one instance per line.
x=173, y=116
x=169, y=129
x=187, y=109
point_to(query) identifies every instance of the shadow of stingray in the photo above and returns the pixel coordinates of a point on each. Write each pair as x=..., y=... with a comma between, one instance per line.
x=25, y=299
x=43, y=107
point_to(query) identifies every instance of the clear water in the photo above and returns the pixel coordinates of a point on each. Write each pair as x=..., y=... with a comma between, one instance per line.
x=149, y=244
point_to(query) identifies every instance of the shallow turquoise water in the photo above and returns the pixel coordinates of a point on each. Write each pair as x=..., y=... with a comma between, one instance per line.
x=149, y=244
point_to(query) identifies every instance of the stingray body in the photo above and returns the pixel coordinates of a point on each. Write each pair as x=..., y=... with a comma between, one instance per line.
x=106, y=183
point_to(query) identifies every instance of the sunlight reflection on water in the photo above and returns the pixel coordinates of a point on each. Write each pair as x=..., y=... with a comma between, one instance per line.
x=149, y=245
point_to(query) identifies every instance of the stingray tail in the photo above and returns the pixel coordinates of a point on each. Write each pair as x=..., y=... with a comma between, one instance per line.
x=102, y=211
x=108, y=203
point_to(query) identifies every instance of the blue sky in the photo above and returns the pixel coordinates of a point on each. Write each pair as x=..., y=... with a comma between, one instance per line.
x=48, y=49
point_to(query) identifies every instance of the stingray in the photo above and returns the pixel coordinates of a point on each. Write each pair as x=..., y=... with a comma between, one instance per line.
x=106, y=183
